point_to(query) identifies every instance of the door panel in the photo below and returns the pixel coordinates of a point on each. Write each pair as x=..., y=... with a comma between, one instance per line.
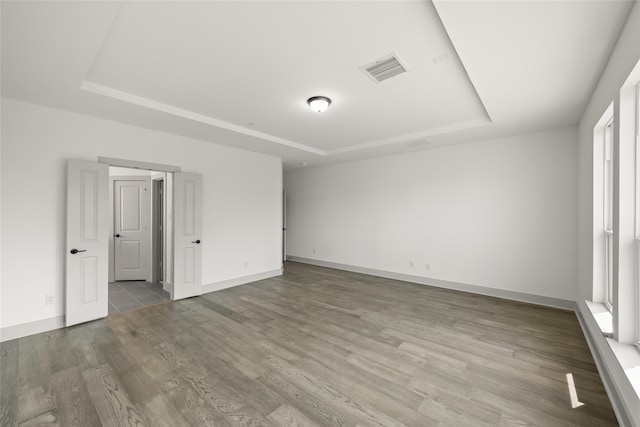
x=89, y=268
x=130, y=255
x=187, y=228
x=132, y=234
x=130, y=206
x=87, y=246
x=189, y=266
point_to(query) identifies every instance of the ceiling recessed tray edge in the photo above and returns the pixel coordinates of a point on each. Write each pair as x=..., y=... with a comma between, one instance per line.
x=130, y=98
x=99, y=89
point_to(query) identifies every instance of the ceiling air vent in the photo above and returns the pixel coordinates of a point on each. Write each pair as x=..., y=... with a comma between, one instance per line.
x=384, y=68
x=419, y=143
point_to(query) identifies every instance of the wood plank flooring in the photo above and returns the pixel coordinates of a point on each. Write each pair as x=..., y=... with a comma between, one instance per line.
x=315, y=347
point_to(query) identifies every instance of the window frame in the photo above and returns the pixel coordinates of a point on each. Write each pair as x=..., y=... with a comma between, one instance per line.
x=637, y=212
x=607, y=206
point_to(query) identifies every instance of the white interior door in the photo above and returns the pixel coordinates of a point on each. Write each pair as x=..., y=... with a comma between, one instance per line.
x=131, y=229
x=87, y=241
x=187, y=230
x=284, y=226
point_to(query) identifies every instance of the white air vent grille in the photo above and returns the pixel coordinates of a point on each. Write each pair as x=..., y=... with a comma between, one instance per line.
x=384, y=68
x=418, y=143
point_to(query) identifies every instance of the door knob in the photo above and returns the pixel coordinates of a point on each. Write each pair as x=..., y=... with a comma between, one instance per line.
x=75, y=251
x=197, y=241
x=117, y=235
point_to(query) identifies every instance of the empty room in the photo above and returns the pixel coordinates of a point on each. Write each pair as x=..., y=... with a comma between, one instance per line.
x=320, y=213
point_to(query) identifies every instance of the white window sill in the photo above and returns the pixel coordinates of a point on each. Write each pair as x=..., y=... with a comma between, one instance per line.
x=627, y=354
x=603, y=317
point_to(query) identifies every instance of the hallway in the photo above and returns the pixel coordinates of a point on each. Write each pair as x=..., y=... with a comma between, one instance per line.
x=128, y=295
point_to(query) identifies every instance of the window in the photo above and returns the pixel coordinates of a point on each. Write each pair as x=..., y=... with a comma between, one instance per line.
x=615, y=304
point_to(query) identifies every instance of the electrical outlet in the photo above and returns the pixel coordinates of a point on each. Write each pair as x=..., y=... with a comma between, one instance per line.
x=427, y=266
x=314, y=250
x=411, y=263
x=246, y=264
x=48, y=299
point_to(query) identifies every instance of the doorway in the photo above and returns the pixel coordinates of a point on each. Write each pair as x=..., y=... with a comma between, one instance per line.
x=90, y=235
x=137, y=255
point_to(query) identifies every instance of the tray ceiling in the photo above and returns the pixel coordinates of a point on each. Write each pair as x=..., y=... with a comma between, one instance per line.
x=239, y=72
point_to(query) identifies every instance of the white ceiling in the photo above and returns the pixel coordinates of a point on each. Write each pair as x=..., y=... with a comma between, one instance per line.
x=239, y=73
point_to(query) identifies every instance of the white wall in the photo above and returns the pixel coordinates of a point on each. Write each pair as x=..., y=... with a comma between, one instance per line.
x=499, y=214
x=242, y=210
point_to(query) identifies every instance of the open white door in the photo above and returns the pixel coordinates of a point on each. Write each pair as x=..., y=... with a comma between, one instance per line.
x=284, y=227
x=187, y=230
x=87, y=248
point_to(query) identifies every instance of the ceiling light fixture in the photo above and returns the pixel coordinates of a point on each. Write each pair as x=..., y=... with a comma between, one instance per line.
x=319, y=104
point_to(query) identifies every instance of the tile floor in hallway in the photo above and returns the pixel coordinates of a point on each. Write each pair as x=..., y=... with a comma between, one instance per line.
x=128, y=295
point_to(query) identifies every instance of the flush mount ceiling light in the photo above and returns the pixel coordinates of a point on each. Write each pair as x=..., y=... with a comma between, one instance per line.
x=319, y=103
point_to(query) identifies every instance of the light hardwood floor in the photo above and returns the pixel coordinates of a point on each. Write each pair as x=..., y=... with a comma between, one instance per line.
x=315, y=347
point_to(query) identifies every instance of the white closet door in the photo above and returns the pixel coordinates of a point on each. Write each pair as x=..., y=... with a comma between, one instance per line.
x=131, y=228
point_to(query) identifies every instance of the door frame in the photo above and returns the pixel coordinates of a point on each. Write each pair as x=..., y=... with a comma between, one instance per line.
x=158, y=229
x=168, y=170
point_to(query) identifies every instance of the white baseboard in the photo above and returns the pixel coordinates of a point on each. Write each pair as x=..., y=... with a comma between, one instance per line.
x=481, y=290
x=224, y=284
x=45, y=325
x=31, y=328
x=624, y=400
